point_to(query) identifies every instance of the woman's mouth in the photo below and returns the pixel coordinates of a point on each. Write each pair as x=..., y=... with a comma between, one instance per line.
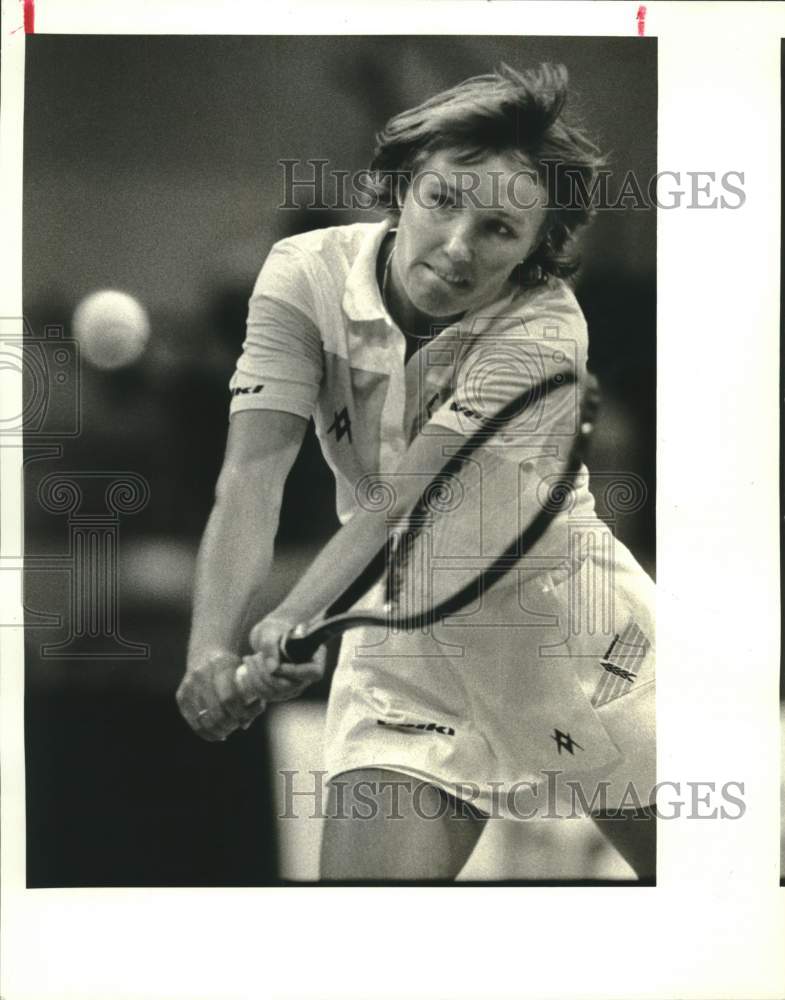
x=449, y=277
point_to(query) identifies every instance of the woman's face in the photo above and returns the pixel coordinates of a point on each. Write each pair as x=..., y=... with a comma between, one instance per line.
x=463, y=229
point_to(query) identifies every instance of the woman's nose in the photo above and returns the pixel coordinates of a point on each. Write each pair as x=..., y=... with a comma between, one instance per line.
x=457, y=244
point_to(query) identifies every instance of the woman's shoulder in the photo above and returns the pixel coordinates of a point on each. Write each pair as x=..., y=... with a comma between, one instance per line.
x=341, y=242
x=547, y=309
x=546, y=319
x=315, y=270
x=553, y=297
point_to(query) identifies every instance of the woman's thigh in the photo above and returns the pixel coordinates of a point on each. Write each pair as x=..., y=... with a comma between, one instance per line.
x=383, y=825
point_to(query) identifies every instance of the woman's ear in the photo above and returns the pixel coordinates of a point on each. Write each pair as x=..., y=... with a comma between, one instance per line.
x=545, y=243
x=528, y=272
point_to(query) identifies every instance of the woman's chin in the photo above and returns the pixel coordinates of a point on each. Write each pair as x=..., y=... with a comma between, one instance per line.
x=438, y=304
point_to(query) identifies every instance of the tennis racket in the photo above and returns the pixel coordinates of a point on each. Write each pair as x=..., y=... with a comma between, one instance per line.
x=394, y=560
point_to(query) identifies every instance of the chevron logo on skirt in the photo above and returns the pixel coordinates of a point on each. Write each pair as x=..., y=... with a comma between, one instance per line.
x=620, y=665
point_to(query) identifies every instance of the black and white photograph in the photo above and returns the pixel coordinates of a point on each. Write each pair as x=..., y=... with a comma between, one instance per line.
x=411, y=312
x=365, y=443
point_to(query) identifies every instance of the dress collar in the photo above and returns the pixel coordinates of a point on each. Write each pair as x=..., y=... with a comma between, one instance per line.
x=362, y=299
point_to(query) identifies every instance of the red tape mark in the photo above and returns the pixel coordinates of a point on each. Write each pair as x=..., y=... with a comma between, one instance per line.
x=640, y=17
x=29, y=17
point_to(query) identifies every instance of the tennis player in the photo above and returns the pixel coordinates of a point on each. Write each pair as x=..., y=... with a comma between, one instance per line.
x=397, y=337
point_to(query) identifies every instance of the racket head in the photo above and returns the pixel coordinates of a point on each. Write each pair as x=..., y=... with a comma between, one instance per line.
x=485, y=514
x=407, y=560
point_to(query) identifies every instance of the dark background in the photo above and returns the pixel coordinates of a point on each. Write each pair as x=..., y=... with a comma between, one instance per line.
x=151, y=165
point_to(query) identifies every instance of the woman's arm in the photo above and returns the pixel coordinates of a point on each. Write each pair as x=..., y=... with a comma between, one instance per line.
x=233, y=566
x=350, y=550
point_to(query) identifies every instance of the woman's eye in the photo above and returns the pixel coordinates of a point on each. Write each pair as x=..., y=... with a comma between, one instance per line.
x=438, y=199
x=502, y=229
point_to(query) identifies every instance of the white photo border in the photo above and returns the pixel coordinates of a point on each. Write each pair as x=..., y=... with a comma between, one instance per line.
x=714, y=925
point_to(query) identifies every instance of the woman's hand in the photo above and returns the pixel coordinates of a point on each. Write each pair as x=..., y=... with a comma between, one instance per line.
x=264, y=676
x=209, y=699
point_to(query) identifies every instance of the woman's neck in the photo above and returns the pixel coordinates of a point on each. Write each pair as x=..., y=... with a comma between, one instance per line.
x=406, y=315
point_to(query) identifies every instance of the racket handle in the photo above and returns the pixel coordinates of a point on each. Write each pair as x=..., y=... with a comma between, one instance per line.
x=292, y=649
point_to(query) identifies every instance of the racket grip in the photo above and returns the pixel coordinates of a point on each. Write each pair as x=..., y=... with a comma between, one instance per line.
x=292, y=649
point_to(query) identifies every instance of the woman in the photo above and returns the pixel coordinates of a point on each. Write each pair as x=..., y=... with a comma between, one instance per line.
x=428, y=735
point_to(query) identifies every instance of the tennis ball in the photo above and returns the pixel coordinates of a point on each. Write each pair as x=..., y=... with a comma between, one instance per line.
x=112, y=328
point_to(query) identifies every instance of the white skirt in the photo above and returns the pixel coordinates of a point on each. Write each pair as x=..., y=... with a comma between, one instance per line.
x=540, y=698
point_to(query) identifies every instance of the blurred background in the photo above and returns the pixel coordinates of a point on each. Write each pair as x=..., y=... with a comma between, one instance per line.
x=152, y=168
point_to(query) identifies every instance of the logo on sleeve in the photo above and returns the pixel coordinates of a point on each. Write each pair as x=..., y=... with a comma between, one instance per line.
x=247, y=390
x=427, y=727
x=341, y=425
x=465, y=411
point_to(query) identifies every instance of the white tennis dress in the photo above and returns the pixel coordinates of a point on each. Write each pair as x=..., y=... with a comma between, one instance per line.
x=550, y=678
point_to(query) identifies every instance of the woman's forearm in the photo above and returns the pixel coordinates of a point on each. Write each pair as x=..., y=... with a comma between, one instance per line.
x=351, y=549
x=233, y=566
x=337, y=566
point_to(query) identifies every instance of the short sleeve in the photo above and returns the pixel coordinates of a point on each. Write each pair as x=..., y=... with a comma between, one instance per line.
x=505, y=357
x=281, y=365
x=541, y=350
